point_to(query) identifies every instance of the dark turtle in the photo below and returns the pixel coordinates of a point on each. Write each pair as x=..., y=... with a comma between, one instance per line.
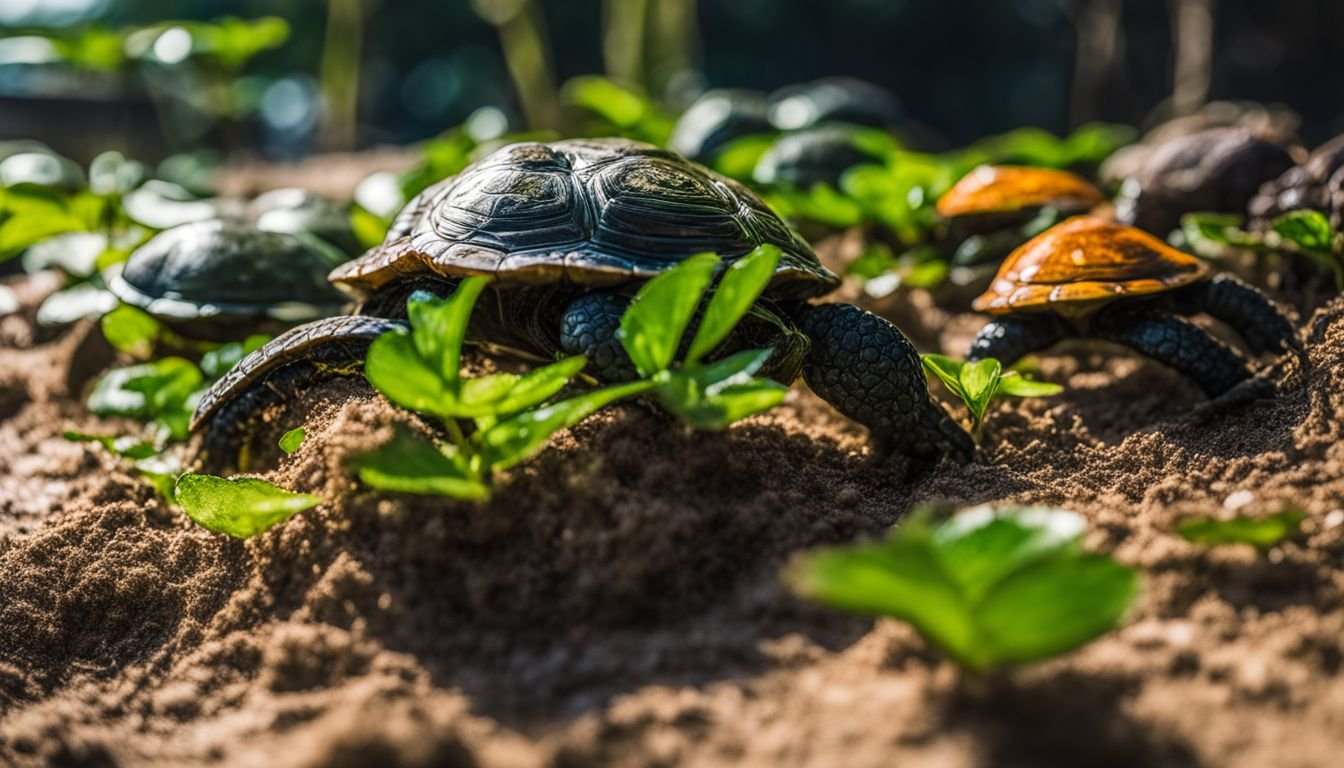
x=1090, y=277
x=220, y=280
x=1313, y=185
x=813, y=155
x=1215, y=170
x=833, y=100
x=569, y=230
x=715, y=119
x=297, y=211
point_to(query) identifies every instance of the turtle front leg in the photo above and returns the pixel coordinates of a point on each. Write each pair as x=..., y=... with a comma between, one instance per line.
x=1010, y=338
x=866, y=368
x=588, y=327
x=1250, y=313
x=1176, y=343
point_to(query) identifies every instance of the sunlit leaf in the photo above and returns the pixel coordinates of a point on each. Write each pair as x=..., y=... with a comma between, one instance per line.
x=410, y=463
x=238, y=506
x=741, y=285
x=292, y=440
x=1263, y=533
x=651, y=329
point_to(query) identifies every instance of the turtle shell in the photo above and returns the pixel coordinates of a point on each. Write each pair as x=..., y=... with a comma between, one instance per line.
x=994, y=189
x=833, y=100
x=715, y=119
x=583, y=212
x=215, y=279
x=1084, y=262
x=812, y=155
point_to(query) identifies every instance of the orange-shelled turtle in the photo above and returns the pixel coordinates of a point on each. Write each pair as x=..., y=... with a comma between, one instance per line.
x=1088, y=277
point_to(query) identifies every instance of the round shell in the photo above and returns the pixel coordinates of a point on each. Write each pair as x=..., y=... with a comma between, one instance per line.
x=212, y=274
x=1085, y=262
x=833, y=100
x=715, y=119
x=811, y=156
x=585, y=212
x=993, y=189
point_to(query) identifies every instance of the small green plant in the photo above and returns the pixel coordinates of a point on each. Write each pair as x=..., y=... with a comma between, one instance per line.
x=1305, y=233
x=496, y=421
x=990, y=588
x=292, y=440
x=978, y=383
x=238, y=506
x=1263, y=533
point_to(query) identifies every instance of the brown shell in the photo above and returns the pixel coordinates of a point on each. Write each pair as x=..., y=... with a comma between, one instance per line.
x=1084, y=262
x=1005, y=189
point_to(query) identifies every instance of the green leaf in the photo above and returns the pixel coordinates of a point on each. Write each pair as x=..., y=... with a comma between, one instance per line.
x=409, y=463
x=131, y=330
x=1053, y=606
x=147, y=390
x=619, y=105
x=396, y=369
x=989, y=588
x=980, y=380
x=1309, y=230
x=716, y=395
x=947, y=370
x=1015, y=384
x=739, y=288
x=238, y=506
x=651, y=329
x=223, y=358
x=291, y=440
x=369, y=228
x=438, y=327
x=537, y=386
x=122, y=445
x=738, y=158
x=1263, y=533
x=515, y=439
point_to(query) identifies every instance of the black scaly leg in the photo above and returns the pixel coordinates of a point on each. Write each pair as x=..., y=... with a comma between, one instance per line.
x=588, y=327
x=1174, y=342
x=1010, y=338
x=866, y=368
x=1246, y=309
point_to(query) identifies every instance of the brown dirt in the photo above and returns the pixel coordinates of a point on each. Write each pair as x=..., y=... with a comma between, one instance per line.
x=618, y=601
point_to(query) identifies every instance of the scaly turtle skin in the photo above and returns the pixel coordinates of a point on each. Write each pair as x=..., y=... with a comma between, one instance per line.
x=1215, y=170
x=569, y=230
x=218, y=280
x=1088, y=277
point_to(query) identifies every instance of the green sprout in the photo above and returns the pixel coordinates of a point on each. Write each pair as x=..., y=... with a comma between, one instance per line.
x=1263, y=533
x=292, y=440
x=241, y=507
x=496, y=421
x=1305, y=233
x=978, y=383
x=990, y=588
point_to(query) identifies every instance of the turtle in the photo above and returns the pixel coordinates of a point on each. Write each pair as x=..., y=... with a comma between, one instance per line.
x=569, y=230
x=833, y=100
x=717, y=118
x=297, y=211
x=1314, y=185
x=995, y=208
x=1217, y=170
x=813, y=155
x=1089, y=277
x=218, y=279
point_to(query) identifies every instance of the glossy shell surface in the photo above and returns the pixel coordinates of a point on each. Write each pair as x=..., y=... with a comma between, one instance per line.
x=1085, y=262
x=1005, y=189
x=585, y=212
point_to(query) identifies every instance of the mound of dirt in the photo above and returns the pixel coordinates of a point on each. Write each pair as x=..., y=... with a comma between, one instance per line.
x=618, y=600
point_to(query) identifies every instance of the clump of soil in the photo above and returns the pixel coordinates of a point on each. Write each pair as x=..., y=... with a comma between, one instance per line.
x=618, y=600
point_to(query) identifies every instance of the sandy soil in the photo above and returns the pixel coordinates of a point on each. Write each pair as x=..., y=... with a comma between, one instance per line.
x=618, y=601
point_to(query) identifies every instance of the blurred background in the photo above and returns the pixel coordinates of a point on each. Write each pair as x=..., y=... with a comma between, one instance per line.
x=280, y=79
